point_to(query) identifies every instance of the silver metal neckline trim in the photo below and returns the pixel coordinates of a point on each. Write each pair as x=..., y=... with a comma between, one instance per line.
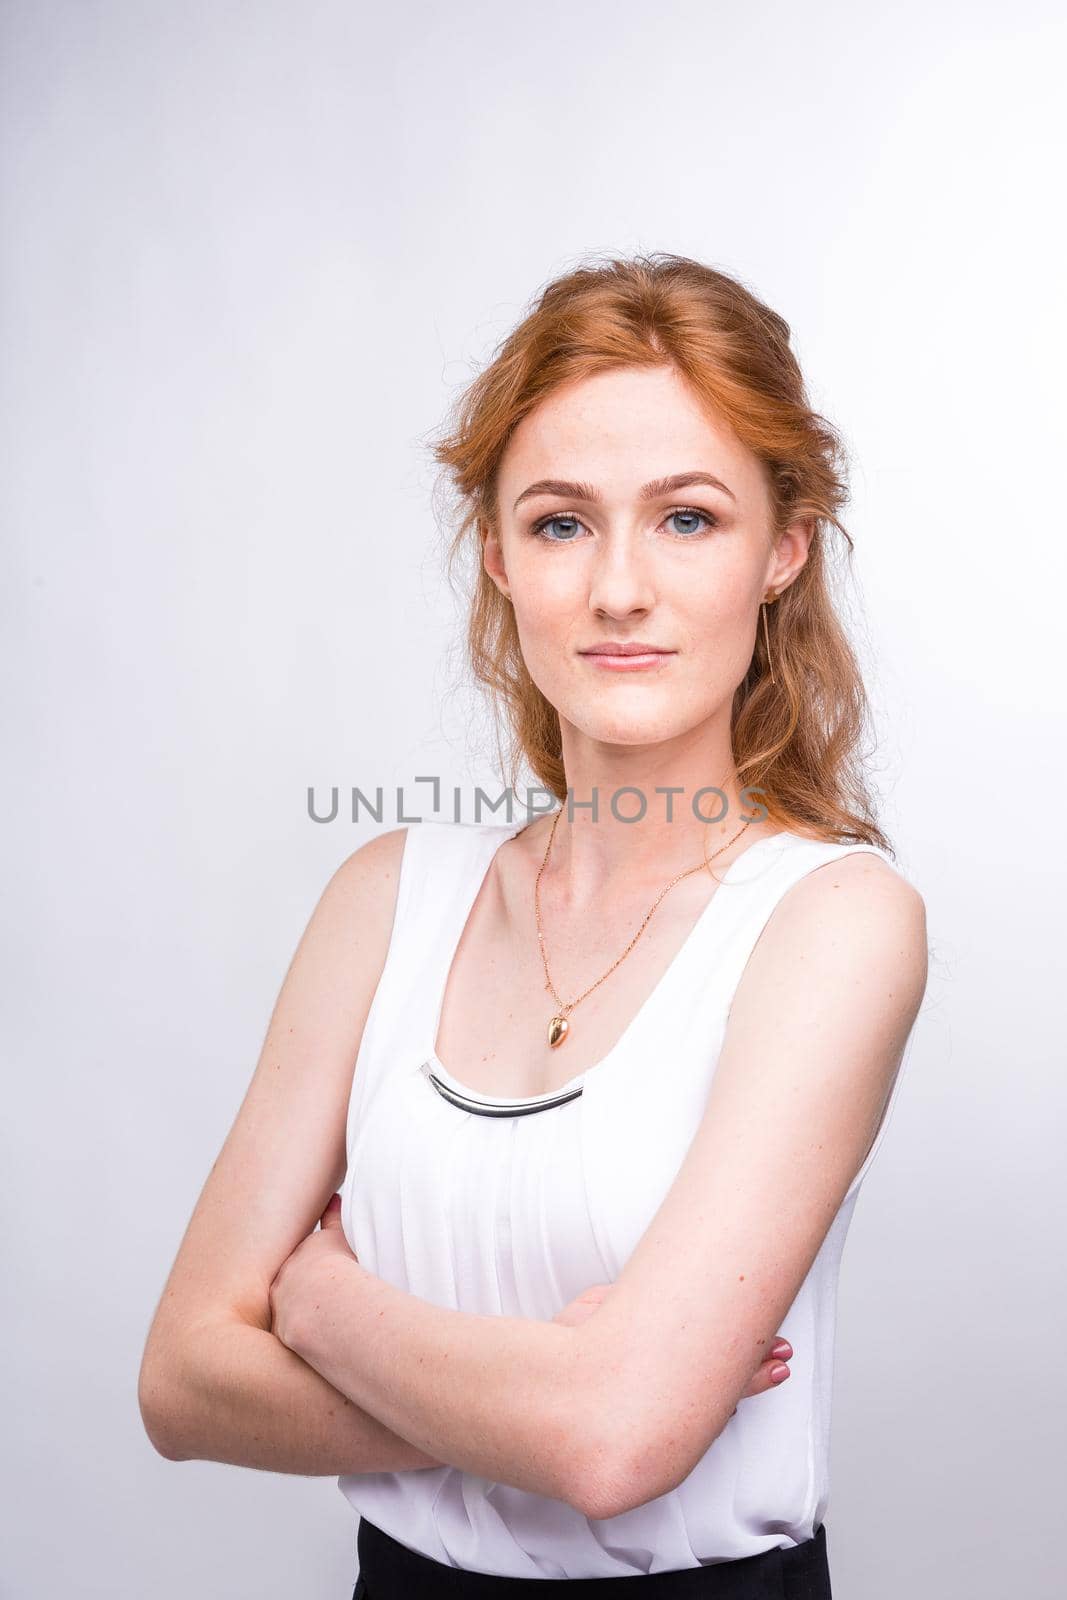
x=488, y=1108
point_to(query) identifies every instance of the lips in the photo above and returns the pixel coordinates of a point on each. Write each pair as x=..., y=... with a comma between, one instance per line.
x=617, y=648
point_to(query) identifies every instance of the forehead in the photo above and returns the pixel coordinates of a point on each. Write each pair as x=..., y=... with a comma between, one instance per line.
x=621, y=429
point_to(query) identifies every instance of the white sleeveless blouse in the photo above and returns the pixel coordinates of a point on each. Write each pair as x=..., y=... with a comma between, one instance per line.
x=509, y=1207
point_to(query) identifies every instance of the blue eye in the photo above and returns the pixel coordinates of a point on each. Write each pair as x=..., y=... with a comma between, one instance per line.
x=684, y=512
x=539, y=527
x=704, y=519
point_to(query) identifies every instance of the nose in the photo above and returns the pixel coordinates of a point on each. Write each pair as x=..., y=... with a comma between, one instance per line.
x=620, y=579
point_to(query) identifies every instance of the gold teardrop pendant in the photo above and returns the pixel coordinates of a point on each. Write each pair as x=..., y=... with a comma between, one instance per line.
x=558, y=1029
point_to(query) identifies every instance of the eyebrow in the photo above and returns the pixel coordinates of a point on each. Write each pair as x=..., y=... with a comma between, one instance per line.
x=650, y=491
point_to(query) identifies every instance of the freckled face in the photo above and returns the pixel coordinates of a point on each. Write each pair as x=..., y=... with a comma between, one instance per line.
x=683, y=569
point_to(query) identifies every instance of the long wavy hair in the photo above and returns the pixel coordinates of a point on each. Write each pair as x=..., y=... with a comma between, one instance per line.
x=797, y=738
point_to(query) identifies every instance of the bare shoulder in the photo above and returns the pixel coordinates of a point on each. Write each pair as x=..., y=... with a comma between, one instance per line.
x=860, y=884
x=373, y=866
x=364, y=887
x=863, y=893
x=854, y=920
x=347, y=937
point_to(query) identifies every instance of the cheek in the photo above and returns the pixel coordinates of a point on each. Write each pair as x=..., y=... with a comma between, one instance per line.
x=549, y=620
x=548, y=653
x=716, y=634
x=546, y=592
x=717, y=593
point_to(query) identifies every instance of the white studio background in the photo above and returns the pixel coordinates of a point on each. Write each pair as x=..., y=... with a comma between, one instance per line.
x=250, y=253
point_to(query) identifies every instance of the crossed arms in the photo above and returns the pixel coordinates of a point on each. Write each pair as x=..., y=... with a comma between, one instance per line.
x=604, y=1415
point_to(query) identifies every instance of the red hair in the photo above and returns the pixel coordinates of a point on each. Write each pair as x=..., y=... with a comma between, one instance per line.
x=797, y=738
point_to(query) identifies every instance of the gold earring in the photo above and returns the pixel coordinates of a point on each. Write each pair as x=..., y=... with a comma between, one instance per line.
x=771, y=596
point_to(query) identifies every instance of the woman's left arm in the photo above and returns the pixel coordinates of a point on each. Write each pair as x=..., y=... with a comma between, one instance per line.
x=616, y=1411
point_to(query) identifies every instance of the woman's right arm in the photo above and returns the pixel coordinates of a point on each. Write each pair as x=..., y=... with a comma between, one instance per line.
x=236, y=1394
x=215, y=1384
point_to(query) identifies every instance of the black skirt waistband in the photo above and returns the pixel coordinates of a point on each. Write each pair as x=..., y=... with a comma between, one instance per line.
x=389, y=1570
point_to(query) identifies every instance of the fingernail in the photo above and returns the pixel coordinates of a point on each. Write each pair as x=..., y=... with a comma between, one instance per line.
x=781, y=1347
x=779, y=1372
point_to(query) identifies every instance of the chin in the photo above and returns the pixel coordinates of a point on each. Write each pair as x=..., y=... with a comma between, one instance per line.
x=651, y=725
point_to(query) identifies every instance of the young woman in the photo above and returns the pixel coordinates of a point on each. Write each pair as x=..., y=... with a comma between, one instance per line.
x=619, y=1070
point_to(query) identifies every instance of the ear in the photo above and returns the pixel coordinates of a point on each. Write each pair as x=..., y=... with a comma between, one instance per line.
x=790, y=553
x=493, y=558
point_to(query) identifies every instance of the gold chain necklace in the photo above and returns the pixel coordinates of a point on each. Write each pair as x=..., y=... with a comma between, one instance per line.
x=559, y=1027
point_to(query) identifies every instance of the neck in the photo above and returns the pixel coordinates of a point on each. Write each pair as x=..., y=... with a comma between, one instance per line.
x=593, y=848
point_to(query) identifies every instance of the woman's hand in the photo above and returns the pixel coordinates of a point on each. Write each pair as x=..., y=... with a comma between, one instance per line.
x=763, y=1378
x=295, y=1279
